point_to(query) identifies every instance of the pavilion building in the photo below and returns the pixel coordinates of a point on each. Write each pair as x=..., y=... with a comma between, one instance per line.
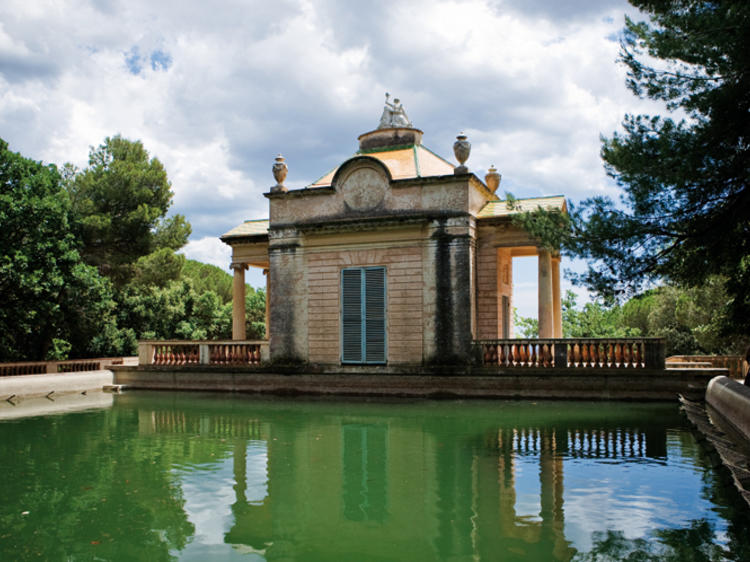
x=396, y=257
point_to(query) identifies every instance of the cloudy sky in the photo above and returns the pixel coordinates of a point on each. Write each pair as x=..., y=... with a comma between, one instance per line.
x=216, y=89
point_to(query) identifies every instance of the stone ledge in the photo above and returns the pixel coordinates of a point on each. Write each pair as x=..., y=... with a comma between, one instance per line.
x=425, y=382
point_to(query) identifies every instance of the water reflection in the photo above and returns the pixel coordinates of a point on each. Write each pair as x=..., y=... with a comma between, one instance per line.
x=164, y=476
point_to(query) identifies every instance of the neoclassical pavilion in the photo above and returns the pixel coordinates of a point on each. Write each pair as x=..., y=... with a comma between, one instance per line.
x=396, y=257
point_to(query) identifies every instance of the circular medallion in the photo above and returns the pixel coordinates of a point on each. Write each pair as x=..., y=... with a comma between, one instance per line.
x=364, y=188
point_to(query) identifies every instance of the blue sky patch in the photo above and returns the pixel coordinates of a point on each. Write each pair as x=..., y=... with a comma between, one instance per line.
x=160, y=60
x=134, y=60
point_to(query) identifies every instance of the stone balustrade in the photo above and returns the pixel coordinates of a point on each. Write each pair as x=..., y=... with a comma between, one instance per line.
x=579, y=353
x=733, y=363
x=67, y=366
x=229, y=352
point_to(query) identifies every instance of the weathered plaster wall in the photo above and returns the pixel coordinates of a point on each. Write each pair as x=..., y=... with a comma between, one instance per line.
x=251, y=253
x=462, y=194
x=494, y=281
x=430, y=261
x=449, y=290
x=288, y=297
x=403, y=265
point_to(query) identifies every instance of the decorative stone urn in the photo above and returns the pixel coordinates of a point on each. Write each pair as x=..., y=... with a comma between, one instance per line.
x=279, y=173
x=462, y=149
x=492, y=179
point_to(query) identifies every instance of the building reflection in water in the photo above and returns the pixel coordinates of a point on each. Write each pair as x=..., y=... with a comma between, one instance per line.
x=426, y=490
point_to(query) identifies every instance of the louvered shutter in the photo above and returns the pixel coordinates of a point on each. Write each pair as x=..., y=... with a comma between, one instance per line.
x=374, y=315
x=363, y=336
x=351, y=313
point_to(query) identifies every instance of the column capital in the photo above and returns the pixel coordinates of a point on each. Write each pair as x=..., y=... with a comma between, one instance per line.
x=238, y=265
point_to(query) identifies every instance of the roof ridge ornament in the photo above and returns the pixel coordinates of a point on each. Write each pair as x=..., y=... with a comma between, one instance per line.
x=394, y=115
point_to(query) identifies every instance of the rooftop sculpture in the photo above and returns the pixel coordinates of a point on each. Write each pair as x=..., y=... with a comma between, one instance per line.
x=394, y=115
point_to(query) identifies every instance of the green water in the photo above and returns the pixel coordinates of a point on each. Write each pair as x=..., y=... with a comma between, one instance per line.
x=160, y=476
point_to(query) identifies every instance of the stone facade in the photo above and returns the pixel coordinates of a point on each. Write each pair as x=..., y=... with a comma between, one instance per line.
x=443, y=239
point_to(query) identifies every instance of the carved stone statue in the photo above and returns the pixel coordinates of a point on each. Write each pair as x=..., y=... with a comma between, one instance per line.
x=394, y=114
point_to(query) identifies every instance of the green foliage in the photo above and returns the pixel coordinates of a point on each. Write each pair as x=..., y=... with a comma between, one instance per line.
x=205, y=276
x=687, y=202
x=684, y=215
x=179, y=311
x=175, y=311
x=120, y=201
x=51, y=302
x=595, y=320
x=552, y=228
x=524, y=326
x=688, y=318
x=255, y=313
x=55, y=306
x=158, y=268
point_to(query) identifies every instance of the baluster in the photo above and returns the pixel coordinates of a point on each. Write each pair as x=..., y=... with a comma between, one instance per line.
x=501, y=354
x=523, y=354
x=638, y=354
x=533, y=358
x=618, y=355
x=628, y=354
x=584, y=355
x=595, y=354
x=486, y=355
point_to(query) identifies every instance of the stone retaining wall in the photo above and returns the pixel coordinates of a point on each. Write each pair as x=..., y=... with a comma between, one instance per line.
x=30, y=386
x=633, y=384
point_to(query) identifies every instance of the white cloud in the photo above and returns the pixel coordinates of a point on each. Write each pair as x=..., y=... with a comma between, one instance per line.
x=216, y=91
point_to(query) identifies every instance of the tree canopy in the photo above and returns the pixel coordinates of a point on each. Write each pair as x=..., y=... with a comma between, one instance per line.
x=685, y=210
x=50, y=299
x=688, y=318
x=121, y=201
x=687, y=200
x=88, y=262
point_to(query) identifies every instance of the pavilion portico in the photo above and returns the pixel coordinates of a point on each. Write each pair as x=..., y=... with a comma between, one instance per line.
x=494, y=312
x=395, y=257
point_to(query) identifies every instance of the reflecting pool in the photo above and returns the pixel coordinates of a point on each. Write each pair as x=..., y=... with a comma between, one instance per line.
x=162, y=476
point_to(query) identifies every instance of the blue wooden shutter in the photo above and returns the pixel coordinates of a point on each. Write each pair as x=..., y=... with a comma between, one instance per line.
x=363, y=335
x=351, y=316
x=374, y=314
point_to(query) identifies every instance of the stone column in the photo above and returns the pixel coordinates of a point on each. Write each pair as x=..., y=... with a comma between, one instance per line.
x=556, y=301
x=268, y=304
x=546, y=329
x=238, y=302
